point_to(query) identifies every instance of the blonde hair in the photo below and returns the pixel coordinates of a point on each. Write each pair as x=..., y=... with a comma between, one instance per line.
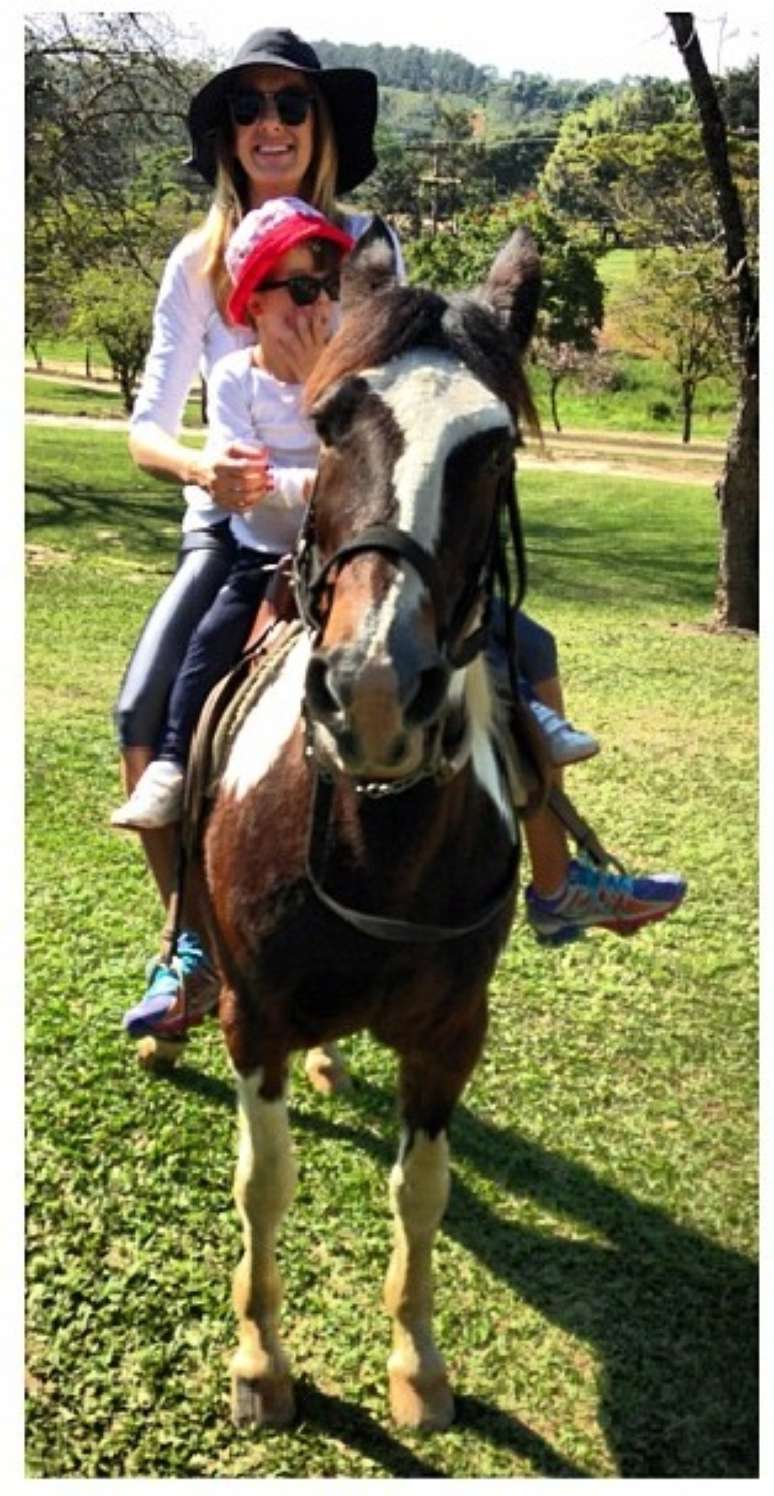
x=231, y=200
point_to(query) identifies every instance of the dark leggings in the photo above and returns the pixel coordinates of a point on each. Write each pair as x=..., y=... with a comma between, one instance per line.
x=216, y=644
x=535, y=650
x=204, y=562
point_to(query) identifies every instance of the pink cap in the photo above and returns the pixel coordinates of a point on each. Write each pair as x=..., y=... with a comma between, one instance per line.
x=264, y=236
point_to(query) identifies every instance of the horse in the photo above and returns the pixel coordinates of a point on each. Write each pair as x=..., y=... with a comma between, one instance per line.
x=360, y=860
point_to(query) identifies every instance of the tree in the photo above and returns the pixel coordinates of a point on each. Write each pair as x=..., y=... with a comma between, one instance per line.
x=116, y=306
x=572, y=297
x=678, y=308
x=650, y=184
x=592, y=369
x=103, y=92
x=737, y=490
x=392, y=188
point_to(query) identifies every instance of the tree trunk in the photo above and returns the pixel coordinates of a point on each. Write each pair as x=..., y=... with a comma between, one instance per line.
x=127, y=389
x=737, y=492
x=688, y=397
x=554, y=391
x=736, y=599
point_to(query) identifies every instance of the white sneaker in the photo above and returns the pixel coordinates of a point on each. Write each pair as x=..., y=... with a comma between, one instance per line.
x=565, y=743
x=156, y=800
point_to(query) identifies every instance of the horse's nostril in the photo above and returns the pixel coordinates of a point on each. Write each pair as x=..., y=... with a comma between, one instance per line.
x=428, y=696
x=320, y=691
x=398, y=751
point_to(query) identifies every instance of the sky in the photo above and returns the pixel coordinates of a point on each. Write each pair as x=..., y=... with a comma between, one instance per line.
x=564, y=41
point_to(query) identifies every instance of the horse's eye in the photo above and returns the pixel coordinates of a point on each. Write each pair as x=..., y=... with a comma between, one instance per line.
x=334, y=415
x=501, y=457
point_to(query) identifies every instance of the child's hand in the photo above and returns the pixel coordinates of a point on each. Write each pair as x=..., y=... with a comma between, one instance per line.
x=240, y=477
x=302, y=340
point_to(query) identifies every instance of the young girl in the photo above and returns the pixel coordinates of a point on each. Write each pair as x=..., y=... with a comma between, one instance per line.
x=283, y=261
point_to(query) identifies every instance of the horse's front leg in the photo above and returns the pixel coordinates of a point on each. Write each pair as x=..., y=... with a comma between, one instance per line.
x=262, y=1391
x=420, y=1396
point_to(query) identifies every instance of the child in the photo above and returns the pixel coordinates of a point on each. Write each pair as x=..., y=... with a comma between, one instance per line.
x=284, y=261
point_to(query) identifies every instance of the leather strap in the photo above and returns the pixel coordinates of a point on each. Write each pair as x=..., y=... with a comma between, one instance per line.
x=382, y=927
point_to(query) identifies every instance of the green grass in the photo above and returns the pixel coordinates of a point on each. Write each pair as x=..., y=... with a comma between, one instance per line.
x=67, y=350
x=595, y=1280
x=616, y=268
x=68, y=397
x=644, y=386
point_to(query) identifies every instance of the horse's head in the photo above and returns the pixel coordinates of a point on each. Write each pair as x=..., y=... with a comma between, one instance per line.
x=416, y=402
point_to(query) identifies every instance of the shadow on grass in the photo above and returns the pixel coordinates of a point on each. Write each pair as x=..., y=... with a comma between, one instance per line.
x=655, y=569
x=344, y=1421
x=600, y=563
x=670, y=1316
x=79, y=507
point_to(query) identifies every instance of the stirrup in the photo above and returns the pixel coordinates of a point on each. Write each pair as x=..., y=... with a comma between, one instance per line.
x=581, y=832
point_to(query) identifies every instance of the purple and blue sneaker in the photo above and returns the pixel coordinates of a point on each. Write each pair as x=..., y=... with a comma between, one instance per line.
x=179, y=995
x=607, y=901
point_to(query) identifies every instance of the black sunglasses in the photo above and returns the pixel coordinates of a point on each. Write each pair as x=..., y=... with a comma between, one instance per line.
x=305, y=289
x=249, y=104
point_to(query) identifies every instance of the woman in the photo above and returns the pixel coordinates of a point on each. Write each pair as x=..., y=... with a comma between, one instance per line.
x=274, y=123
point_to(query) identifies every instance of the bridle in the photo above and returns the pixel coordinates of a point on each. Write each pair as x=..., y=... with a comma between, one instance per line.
x=313, y=582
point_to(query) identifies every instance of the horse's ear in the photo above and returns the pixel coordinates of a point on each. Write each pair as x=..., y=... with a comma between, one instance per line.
x=512, y=287
x=372, y=265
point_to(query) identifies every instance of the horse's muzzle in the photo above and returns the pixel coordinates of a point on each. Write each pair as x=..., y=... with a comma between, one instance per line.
x=376, y=707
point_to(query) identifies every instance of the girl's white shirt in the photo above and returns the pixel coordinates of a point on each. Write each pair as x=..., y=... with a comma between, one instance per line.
x=190, y=336
x=247, y=404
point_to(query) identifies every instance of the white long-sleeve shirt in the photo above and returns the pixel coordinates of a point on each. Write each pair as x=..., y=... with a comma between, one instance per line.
x=247, y=404
x=190, y=336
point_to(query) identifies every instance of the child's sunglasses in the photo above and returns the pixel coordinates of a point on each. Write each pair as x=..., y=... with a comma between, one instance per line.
x=249, y=104
x=304, y=290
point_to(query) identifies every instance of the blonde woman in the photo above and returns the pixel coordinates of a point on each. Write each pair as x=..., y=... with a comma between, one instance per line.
x=274, y=123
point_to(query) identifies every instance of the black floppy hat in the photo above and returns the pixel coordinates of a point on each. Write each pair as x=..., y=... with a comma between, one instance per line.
x=350, y=93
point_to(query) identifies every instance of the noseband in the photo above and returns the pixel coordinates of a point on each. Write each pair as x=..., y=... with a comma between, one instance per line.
x=314, y=592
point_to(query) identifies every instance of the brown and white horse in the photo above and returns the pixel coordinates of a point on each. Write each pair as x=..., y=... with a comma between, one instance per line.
x=362, y=852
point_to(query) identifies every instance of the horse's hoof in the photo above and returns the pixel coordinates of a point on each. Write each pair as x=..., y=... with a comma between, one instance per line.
x=326, y=1071
x=261, y=1402
x=159, y=1054
x=421, y=1404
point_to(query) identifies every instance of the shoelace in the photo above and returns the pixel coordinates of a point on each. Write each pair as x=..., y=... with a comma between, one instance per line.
x=610, y=888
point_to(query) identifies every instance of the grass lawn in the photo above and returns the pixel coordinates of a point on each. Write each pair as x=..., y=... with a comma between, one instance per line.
x=68, y=397
x=595, y=1273
x=646, y=400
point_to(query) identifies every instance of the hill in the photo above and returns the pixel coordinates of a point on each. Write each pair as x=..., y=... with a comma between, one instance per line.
x=414, y=79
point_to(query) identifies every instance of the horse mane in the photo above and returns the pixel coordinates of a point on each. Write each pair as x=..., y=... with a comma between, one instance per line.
x=394, y=320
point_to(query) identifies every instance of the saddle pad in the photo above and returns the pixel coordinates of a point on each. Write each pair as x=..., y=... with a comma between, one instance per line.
x=222, y=715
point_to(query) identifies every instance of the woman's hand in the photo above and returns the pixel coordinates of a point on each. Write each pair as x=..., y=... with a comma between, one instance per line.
x=239, y=477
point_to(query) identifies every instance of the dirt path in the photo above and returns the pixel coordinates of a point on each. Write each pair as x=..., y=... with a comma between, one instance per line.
x=633, y=454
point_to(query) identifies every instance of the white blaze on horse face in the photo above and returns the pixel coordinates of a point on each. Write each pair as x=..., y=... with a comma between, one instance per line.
x=270, y=724
x=437, y=404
